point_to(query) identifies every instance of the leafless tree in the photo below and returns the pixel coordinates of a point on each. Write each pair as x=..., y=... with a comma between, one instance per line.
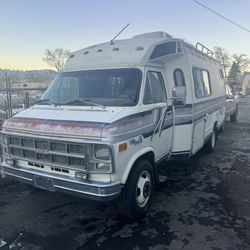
x=56, y=58
x=223, y=58
x=240, y=64
x=242, y=61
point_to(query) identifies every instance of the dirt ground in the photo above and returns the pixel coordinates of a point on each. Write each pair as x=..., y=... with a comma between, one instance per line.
x=203, y=203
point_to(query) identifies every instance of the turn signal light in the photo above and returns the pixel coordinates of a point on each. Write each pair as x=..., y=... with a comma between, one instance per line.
x=123, y=147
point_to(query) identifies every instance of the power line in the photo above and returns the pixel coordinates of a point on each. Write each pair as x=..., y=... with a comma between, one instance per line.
x=218, y=14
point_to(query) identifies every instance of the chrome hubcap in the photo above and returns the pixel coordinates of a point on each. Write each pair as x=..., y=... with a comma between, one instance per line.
x=143, y=189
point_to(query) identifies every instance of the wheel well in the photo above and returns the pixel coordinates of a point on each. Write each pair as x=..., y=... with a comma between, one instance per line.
x=148, y=156
x=216, y=130
x=216, y=125
x=151, y=158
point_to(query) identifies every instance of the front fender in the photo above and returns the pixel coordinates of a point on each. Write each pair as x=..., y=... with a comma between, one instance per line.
x=133, y=160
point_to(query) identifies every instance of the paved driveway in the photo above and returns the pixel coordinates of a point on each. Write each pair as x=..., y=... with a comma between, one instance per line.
x=204, y=203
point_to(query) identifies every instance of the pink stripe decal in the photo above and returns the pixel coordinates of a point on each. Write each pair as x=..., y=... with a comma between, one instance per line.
x=57, y=127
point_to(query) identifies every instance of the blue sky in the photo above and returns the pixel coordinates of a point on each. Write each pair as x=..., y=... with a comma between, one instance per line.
x=28, y=27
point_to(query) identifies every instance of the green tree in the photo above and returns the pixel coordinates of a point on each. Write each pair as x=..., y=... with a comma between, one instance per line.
x=234, y=71
x=56, y=58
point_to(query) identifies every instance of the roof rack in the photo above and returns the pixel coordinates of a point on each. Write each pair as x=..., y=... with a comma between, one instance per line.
x=204, y=49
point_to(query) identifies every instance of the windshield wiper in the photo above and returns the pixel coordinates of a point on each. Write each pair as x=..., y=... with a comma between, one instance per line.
x=86, y=102
x=46, y=101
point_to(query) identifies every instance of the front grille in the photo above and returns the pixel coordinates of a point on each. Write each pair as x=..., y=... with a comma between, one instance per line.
x=42, y=144
x=60, y=159
x=28, y=143
x=60, y=153
x=29, y=154
x=15, y=141
x=43, y=157
x=58, y=146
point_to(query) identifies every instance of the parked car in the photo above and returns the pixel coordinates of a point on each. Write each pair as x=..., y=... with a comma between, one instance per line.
x=231, y=104
x=238, y=93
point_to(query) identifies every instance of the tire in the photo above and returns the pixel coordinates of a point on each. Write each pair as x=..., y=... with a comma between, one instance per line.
x=234, y=116
x=222, y=128
x=210, y=145
x=136, y=195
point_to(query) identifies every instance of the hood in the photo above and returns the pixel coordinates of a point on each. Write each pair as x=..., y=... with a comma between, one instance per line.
x=66, y=121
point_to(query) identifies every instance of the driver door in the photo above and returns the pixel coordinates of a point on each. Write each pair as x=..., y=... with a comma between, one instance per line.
x=155, y=98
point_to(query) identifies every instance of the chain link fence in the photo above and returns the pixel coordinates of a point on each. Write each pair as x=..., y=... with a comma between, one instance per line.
x=14, y=100
x=17, y=95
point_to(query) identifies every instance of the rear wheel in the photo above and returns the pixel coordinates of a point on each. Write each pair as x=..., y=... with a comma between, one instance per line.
x=234, y=116
x=222, y=128
x=137, y=192
x=210, y=145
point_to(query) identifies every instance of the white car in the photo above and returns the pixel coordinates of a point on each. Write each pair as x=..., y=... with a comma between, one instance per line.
x=231, y=104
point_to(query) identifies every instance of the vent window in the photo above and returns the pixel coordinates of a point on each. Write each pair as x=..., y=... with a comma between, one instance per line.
x=166, y=49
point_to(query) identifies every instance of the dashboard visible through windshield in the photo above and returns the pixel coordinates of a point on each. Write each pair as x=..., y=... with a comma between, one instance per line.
x=107, y=87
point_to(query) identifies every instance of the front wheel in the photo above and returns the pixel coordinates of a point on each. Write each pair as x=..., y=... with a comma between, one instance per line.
x=137, y=192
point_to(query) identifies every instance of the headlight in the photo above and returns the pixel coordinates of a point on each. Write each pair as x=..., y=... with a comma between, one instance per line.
x=102, y=166
x=102, y=159
x=102, y=152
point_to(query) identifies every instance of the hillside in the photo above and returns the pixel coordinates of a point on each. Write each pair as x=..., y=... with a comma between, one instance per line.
x=45, y=75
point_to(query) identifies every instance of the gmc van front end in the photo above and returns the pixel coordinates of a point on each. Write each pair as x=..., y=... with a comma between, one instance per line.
x=82, y=169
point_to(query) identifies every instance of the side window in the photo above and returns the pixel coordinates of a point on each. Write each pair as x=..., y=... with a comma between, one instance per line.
x=179, y=79
x=154, y=88
x=206, y=82
x=201, y=82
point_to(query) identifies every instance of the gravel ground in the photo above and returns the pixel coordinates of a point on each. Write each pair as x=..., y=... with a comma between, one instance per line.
x=202, y=203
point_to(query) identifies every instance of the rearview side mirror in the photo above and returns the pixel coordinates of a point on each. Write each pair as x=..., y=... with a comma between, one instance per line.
x=179, y=96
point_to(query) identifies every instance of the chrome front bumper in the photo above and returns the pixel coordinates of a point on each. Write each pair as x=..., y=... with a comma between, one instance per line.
x=86, y=189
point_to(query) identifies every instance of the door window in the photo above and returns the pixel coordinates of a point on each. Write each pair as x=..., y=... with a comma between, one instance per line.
x=154, y=88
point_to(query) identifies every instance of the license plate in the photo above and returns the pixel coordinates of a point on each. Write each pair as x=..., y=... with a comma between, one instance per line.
x=44, y=183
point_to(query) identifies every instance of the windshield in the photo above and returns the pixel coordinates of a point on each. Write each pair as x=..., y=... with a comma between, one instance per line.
x=109, y=87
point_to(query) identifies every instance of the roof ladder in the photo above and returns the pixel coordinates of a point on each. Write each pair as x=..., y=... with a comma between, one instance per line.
x=204, y=49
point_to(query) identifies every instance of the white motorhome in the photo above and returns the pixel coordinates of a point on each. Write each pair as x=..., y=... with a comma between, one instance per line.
x=114, y=112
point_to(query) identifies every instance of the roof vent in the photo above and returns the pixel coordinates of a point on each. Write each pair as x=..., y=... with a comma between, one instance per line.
x=157, y=34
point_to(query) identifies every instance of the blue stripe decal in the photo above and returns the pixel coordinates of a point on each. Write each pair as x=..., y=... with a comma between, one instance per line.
x=145, y=123
x=192, y=113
